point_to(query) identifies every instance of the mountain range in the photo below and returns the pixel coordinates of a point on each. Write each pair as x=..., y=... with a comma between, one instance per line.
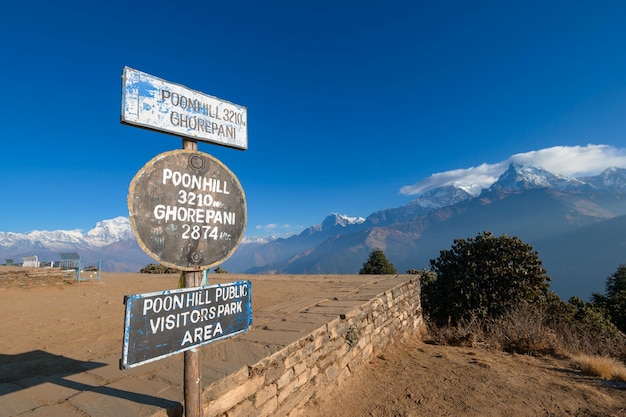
x=578, y=226
x=110, y=241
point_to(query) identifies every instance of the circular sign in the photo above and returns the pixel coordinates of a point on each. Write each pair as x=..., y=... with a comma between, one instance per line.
x=187, y=210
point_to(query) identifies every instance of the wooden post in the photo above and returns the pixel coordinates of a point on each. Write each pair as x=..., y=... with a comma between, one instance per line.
x=192, y=380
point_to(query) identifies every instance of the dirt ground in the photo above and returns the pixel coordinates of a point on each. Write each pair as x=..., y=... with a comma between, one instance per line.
x=413, y=378
x=45, y=315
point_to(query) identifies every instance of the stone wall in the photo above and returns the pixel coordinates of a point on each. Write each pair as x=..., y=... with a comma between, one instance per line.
x=281, y=383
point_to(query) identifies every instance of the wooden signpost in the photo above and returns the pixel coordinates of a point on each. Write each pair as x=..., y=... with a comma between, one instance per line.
x=188, y=211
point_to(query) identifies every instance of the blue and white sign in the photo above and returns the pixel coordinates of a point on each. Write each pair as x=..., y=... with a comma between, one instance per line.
x=153, y=103
x=160, y=324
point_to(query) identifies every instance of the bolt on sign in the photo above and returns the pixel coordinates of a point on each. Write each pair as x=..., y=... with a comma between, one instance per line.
x=153, y=103
x=160, y=324
x=187, y=210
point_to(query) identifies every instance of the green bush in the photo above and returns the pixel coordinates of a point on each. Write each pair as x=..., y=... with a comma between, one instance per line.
x=493, y=290
x=482, y=277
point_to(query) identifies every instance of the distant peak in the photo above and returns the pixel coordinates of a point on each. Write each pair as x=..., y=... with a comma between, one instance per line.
x=524, y=177
x=524, y=170
x=336, y=219
x=612, y=177
x=108, y=231
x=442, y=197
x=614, y=171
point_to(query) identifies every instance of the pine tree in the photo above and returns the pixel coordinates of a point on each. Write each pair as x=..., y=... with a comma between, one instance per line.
x=614, y=301
x=377, y=264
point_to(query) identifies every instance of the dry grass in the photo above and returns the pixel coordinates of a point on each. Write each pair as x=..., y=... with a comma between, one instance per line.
x=532, y=331
x=521, y=331
x=601, y=366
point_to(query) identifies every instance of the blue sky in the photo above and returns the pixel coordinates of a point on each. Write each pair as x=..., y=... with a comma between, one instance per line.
x=352, y=106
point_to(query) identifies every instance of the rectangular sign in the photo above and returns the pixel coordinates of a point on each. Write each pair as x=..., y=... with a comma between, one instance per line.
x=160, y=324
x=153, y=103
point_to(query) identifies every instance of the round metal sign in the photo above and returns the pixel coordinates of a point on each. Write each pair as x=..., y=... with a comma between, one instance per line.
x=187, y=210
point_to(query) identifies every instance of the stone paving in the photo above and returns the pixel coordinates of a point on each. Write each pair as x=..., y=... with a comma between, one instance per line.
x=99, y=388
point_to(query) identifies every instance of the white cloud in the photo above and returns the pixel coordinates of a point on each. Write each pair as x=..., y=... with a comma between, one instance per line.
x=573, y=161
x=471, y=179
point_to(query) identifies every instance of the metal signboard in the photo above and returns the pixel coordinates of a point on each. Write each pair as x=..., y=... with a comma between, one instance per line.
x=160, y=324
x=187, y=210
x=153, y=103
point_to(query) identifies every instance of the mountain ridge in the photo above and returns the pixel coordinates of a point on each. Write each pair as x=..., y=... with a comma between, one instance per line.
x=526, y=201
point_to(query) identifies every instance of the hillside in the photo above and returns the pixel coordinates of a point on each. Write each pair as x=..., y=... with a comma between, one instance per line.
x=415, y=379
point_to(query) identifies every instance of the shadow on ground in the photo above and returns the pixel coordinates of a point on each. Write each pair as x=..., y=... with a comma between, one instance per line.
x=25, y=370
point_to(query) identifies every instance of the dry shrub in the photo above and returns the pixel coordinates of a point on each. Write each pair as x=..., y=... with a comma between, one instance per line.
x=463, y=334
x=601, y=366
x=588, y=338
x=520, y=331
x=619, y=373
x=523, y=330
x=532, y=329
x=577, y=338
x=158, y=269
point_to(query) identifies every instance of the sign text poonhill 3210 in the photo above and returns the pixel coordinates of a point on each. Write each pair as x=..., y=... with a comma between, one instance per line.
x=187, y=209
x=153, y=103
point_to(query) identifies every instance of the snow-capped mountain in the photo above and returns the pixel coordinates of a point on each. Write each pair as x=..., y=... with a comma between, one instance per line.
x=110, y=241
x=335, y=219
x=41, y=238
x=110, y=231
x=104, y=233
x=519, y=177
x=525, y=177
x=441, y=197
x=609, y=178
